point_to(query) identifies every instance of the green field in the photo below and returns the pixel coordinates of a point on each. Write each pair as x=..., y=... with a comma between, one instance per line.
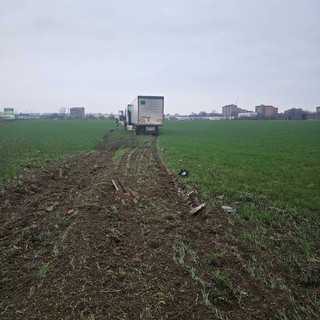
x=275, y=162
x=37, y=141
x=270, y=172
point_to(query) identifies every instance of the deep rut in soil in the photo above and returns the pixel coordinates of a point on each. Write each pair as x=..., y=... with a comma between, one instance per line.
x=72, y=247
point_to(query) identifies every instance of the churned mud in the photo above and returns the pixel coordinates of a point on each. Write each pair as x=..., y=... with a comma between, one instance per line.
x=109, y=235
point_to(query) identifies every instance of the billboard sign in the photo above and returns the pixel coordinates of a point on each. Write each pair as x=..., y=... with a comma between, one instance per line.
x=8, y=113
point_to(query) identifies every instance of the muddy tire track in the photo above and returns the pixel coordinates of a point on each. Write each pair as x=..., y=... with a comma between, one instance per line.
x=72, y=247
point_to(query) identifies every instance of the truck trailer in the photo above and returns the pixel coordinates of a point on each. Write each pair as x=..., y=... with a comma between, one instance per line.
x=145, y=114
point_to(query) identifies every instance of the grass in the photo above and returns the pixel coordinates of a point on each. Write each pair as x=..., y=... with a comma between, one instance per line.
x=186, y=258
x=269, y=162
x=37, y=141
x=44, y=269
x=270, y=172
x=119, y=155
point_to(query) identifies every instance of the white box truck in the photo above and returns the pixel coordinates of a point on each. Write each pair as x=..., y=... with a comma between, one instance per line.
x=145, y=114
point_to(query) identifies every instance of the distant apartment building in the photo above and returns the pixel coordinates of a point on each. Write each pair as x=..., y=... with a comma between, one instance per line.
x=318, y=110
x=77, y=113
x=232, y=110
x=294, y=114
x=266, y=111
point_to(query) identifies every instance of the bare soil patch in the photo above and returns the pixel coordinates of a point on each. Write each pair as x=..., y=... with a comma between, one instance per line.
x=72, y=247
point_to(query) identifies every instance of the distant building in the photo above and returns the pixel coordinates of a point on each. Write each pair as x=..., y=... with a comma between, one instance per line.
x=294, y=114
x=318, y=110
x=266, y=111
x=229, y=110
x=77, y=113
x=8, y=113
x=232, y=110
x=247, y=114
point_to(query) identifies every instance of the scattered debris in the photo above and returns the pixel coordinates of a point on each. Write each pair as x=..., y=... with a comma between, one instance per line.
x=229, y=209
x=124, y=195
x=197, y=209
x=118, y=184
x=115, y=185
x=186, y=196
x=34, y=189
x=184, y=173
x=220, y=197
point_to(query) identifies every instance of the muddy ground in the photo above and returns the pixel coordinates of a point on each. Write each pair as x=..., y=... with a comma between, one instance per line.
x=75, y=247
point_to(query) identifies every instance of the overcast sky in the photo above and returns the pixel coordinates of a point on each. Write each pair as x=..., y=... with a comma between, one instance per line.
x=200, y=54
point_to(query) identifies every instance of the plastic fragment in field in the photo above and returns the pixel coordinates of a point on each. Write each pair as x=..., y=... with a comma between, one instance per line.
x=197, y=209
x=184, y=173
x=229, y=209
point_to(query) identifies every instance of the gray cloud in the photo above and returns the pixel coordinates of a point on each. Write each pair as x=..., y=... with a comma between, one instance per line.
x=200, y=55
